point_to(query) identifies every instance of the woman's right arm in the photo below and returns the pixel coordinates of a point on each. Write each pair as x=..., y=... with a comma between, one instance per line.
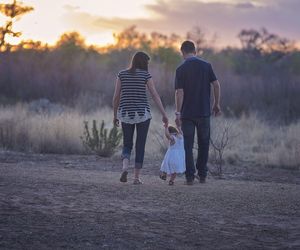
x=157, y=100
x=116, y=100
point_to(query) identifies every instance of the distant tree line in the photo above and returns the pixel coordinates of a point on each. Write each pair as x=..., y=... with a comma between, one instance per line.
x=262, y=76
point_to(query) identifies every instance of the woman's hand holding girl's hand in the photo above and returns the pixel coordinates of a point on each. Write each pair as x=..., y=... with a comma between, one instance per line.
x=165, y=120
x=116, y=122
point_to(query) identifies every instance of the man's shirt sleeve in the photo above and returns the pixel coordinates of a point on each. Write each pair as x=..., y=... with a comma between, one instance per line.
x=179, y=79
x=212, y=76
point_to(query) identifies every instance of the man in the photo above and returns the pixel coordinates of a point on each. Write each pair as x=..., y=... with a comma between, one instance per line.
x=193, y=81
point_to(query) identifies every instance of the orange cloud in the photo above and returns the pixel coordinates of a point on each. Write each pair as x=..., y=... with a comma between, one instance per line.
x=177, y=16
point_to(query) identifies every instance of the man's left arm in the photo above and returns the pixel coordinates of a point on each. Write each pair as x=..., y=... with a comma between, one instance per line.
x=217, y=94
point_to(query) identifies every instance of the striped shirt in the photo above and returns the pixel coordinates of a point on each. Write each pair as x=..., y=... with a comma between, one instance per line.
x=134, y=106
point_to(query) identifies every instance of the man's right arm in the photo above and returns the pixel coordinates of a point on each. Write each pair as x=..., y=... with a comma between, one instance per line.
x=178, y=99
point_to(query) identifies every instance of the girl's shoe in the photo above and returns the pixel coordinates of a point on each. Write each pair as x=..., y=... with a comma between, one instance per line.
x=171, y=183
x=163, y=176
x=137, y=182
x=123, y=177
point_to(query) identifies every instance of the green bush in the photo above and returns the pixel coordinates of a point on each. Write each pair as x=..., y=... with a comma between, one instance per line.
x=101, y=141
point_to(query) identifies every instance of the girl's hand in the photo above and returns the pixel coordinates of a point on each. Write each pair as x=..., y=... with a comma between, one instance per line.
x=179, y=130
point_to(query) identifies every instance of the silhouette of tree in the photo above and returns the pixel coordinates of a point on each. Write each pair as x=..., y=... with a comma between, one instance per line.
x=13, y=11
x=31, y=45
x=71, y=40
x=130, y=38
x=158, y=40
x=261, y=42
x=199, y=37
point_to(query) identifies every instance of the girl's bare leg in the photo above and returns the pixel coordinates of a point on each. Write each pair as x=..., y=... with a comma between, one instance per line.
x=173, y=176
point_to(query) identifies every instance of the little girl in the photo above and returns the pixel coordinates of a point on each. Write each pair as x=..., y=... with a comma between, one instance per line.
x=174, y=160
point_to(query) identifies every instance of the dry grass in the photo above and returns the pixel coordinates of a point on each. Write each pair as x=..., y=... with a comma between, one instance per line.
x=44, y=133
x=252, y=140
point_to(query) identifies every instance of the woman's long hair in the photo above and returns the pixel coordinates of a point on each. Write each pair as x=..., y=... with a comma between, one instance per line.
x=140, y=60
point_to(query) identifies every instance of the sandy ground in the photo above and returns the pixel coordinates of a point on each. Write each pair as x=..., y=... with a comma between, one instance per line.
x=77, y=202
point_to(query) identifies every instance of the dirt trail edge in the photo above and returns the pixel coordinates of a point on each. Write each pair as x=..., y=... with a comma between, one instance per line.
x=50, y=207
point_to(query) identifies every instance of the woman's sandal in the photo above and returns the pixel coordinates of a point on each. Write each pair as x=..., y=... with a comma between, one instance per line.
x=124, y=176
x=163, y=176
x=137, y=182
x=171, y=183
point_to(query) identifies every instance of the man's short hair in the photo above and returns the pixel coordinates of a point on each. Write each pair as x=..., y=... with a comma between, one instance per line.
x=188, y=47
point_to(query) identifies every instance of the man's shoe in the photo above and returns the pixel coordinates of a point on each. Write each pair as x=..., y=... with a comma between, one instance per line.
x=189, y=182
x=202, y=179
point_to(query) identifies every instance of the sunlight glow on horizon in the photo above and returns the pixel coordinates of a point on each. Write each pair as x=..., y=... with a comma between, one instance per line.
x=46, y=22
x=97, y=20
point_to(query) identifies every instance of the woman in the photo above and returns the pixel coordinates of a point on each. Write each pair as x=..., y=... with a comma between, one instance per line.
x=131, y=107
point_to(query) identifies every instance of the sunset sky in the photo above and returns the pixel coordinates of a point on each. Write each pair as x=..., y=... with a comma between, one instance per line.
x=97, y=20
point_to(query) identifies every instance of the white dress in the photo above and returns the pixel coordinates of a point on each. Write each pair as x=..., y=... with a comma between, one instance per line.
x=174, y=160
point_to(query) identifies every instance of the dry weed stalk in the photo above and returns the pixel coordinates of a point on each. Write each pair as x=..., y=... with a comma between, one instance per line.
x=220, y=139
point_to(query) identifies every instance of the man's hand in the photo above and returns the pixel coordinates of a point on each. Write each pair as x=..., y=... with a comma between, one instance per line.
x=178, y=120
x=216, y=110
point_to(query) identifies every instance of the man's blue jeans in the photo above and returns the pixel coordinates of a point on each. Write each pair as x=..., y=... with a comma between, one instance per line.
x=141, y=136
x=202, y=126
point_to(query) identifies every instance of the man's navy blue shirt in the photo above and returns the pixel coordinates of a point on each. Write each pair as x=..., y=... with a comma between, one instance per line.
x=194, y=76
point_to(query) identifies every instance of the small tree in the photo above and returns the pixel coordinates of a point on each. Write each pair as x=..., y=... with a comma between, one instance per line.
x=13, y=11
x=200, y=38
x=257, y=43
x=220, y=140
x=100, y=141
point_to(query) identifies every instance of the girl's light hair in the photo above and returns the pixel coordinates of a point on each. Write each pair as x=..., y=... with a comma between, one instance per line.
x=172, y=129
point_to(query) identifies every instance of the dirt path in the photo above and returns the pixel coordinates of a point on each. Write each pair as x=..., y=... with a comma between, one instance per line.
x=46, y=206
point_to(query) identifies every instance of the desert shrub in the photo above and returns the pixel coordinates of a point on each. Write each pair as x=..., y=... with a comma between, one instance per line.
x=221, y=137
x=100, y=141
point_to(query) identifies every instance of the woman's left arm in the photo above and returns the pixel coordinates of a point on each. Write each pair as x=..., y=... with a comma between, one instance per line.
x=116, y=100
x=157, y=100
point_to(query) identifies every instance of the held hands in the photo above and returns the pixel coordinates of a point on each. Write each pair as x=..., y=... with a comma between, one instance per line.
x=165, y=121
x=116, y=122
x=216, y=110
